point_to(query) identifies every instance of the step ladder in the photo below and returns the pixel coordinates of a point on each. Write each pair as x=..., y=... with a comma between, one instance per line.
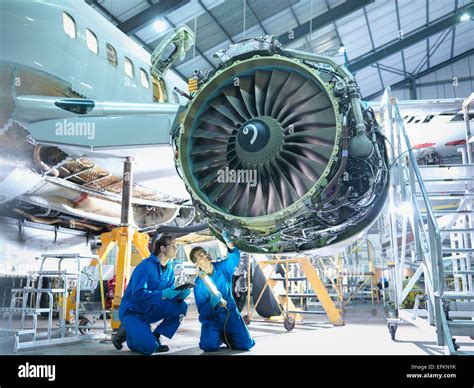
x=456, y=227
x=26, y=302
x=441, y=199
x=7, y=282
x=306, y=272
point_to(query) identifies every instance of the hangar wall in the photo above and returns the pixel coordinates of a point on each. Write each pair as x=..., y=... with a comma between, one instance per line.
x=18, y=253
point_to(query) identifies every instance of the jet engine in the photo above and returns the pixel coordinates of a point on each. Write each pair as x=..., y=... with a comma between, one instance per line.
x=277, y=147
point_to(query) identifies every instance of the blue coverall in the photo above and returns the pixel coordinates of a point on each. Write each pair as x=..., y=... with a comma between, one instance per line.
x=213, y=319
x=142, y=304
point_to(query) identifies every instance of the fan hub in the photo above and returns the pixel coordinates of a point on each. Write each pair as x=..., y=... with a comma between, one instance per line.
x=259, y=140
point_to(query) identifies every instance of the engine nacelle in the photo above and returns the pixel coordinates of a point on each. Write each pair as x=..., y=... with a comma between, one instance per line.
x=276, y=146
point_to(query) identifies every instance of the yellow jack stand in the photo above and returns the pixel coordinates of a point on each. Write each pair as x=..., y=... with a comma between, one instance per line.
x=123, y=237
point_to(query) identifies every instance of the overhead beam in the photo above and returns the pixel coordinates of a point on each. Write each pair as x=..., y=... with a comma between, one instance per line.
x=409, y=39
x=454, y=32
x=257, y=19
x=211, y=15
x=399, y=29
x=335, y=26
x=142, y=19
x=298, y=23
x=391, y=69
x=323, y=20
x=427, y=6
x=431, y=51
x=406, y=81
x=373, y=46
x=105, y=12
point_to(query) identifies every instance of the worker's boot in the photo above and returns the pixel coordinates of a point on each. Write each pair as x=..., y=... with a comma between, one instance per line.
x=119, y=338
x=161, y=348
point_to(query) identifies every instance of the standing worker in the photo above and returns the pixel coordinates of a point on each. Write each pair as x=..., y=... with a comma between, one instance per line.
x=150, y=296
x=221, y=322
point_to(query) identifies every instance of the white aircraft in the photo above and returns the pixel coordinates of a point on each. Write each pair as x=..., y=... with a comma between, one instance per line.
x=436, y=128
x=78, y=96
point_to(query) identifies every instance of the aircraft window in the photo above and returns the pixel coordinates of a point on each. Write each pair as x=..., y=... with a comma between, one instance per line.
x=111, y=54
x=144, y=78
x=428, y=118
x=69, y=25
x=159, y=89
x=417, y=121
x=92, y=42
x=129, y=70
x=411, y=119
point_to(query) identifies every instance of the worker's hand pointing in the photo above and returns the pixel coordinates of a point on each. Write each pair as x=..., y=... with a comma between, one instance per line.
x=228, y=240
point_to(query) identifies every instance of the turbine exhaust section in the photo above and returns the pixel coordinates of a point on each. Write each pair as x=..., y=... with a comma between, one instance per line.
x=276, y=146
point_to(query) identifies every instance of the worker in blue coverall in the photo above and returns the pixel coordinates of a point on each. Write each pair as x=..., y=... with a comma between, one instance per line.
x=219, y=323
x=150, y=297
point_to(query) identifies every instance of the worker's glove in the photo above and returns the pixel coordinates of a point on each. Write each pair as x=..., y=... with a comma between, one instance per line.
x=215, y=299
x=184, y=294
x=226, y=236
x=170, y=293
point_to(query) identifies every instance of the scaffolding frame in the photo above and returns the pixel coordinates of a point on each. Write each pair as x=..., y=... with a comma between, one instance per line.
x=287, y=309
x=408, y=186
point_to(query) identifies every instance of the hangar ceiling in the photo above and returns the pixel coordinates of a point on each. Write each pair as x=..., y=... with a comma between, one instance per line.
x=387, y=43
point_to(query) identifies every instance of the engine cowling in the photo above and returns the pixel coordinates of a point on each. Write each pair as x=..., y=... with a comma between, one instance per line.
x=275, y=148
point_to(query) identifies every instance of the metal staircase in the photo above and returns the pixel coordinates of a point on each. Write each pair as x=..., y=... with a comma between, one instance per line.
x=438, y=224
x=457, y=249
x=61, y=291
x=27, y=302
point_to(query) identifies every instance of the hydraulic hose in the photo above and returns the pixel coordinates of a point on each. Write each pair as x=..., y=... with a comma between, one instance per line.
x=225, y=328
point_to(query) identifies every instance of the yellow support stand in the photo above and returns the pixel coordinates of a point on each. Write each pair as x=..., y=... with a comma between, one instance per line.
x=373, y=280
x=320, y=291
x=123, y=237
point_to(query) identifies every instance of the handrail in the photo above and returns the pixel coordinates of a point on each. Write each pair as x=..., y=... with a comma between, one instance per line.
x=465, y=108
x=433, y=228
x=427, y=233
x=416, y=170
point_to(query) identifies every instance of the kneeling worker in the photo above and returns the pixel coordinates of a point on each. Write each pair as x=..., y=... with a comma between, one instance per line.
x=150, y=296
x=218, y=314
